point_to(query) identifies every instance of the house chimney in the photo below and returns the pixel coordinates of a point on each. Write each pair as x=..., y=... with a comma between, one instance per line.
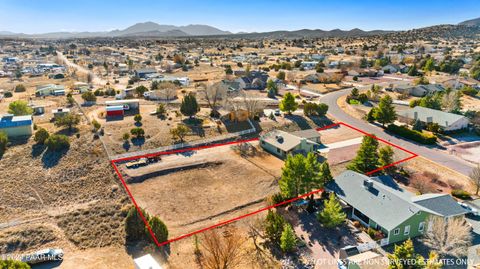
x=367, y=183
x=415, y=115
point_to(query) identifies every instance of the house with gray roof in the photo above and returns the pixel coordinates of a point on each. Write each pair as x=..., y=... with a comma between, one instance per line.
x=282, y=143
x=447, y=121
x=397, y=213
x=419, y=90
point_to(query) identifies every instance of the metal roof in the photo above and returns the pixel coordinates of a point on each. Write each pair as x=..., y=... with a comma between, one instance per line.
x=9, y=121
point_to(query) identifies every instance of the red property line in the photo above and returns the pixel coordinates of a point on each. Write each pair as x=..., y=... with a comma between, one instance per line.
x=159, y=244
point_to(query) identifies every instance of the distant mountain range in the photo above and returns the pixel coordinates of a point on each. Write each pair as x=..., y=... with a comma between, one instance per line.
x=474, y=22
x=155, y=30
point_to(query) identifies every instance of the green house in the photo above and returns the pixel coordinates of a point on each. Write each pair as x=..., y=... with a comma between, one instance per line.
x=397, y=213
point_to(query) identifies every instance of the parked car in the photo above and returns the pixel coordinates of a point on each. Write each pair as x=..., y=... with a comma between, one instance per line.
x=44, y=255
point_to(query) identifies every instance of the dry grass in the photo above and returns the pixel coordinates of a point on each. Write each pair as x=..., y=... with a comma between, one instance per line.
x=97, y=226
x=16, y=239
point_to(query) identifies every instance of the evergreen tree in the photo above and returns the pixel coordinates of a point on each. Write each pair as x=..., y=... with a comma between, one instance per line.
x=13, y=264
x=288, y=103
x=404, y=257
x=288, y=239
x=134, y=225
x=417, y=125
x=385, y=157
x=293, y=173
x=332, y=214
x=274, y=223
x=325, y=173
x=271, y=86
x=385, y=113
x=311, y=180
x=189, y=106
x=367, y=158
x=158, y=228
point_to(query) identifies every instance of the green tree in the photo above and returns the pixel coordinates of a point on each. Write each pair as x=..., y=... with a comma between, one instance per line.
x=19, y=108
x=57, y=142
x=96, y=125
x=292, y=175
x=137, y=132
x=273, y=225
x=412, y=71
x=189, y=106
x=89, y=97
x=429, y=65
x=125, y=137
x=159, y=229
x=161, y=110
x=69, y=120
x=385, y=157
x=134, y=224
x=370, y=117
x=288, y=103
x=325, y=173
x=417, y=125
x=3, y=142
x=13, y=264
x=137, y=118
x=404, y=257
x=332, y=214
x=140, y=90
x=367, y=157
x=281, y=75
x=271, y=86
x=41, y=135
x=354, y=94
x=385, y=113
x=179, y=132
x=288, y=239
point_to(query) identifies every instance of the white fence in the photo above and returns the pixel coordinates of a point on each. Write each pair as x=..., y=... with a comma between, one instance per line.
x=186, y=144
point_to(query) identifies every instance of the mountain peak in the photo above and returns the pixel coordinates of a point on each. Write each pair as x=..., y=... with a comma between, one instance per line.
x=472, y=22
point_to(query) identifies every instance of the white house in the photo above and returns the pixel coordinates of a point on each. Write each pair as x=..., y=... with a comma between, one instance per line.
x=447, y=121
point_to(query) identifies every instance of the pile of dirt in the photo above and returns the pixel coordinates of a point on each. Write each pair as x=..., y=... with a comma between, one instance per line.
x=16, y=239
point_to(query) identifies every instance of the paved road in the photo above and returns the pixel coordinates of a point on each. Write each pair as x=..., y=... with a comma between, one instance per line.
x=435, y=155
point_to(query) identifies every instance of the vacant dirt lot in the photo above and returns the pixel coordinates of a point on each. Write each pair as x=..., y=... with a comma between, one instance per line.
x=225, y=186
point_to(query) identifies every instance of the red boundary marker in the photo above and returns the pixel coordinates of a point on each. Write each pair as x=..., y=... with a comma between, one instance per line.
x=159, y=244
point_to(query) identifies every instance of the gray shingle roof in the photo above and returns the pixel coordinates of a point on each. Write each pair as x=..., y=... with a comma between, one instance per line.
x=382, y=204
x=439, y=204
x=387, y=206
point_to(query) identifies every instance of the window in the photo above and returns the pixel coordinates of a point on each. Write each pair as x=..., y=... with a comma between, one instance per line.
x=407, y=230
x=421, y=226
x=278, y=150
x=396, y=231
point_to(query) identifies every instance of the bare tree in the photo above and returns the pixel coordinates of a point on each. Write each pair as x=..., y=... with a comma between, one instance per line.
x=448, y=236
x=222, y=250
x=475, y=178
x=215, y=94
x=252, y=105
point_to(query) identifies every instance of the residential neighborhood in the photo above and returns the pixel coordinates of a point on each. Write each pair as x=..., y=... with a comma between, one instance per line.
x=257, y=144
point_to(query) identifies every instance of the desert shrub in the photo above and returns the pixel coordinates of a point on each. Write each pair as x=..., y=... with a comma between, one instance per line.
x=276, y=198
x=412, y=134
x=13, y=264
x=20, y=88
x=41, y=135
x=57, y=142
x=3, y=142
x=137, y=118
x=8, y=94
x=461, y=194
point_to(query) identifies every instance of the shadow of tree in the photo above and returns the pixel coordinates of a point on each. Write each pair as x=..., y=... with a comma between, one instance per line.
x=51, y=158
x=38, y=149
x=138, y=141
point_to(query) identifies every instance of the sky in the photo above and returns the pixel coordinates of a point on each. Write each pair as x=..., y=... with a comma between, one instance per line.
x=41, y=16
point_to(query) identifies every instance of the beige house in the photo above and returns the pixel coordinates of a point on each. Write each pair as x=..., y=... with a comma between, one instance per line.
x=282, y=144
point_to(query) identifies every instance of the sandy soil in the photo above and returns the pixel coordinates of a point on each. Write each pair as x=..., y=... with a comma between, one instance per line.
x=204, y=196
